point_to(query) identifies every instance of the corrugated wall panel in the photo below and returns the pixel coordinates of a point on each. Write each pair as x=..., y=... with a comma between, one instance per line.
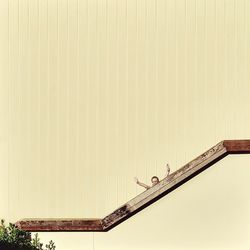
x=93, y=93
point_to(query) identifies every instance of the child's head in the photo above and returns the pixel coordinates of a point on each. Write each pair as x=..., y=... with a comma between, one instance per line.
x=155, y=180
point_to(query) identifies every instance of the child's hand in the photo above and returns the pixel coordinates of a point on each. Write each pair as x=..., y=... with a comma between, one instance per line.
x=168, y=168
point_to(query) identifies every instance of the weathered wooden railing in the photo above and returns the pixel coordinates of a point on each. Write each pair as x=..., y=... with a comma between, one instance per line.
x=144, y=199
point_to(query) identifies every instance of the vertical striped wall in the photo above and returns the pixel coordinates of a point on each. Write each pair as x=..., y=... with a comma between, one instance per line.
x=95, y=92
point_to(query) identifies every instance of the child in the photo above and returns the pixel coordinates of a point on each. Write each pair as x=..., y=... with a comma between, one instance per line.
x=154, y=179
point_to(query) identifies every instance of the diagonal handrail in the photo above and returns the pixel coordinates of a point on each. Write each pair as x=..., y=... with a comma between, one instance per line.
x=142, y=200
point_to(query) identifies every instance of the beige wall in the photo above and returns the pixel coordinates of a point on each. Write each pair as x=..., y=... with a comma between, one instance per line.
x=93, y=93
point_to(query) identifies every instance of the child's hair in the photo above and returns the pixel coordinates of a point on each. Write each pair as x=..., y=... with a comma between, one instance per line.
x=154, y=177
